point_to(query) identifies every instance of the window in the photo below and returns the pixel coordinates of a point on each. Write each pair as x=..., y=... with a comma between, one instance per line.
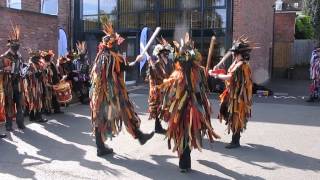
x=108, y=6
x=147, y=19
x=211, y=3
x=215, y=18
x=91, y=22
x=49, y=7
x=90, y=7
x=15, y=4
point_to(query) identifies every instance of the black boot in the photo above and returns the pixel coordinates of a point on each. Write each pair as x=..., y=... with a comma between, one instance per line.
x=311, y=99
x=101, y=148
x=47, y=112
x=19, y=117
x=235, y=142
x=158, y=128
x=2, y=136
x=39, y=118
x=185, y=160
x=56, y=105
x=32, y=116
x=142, y=137
x=9, y=124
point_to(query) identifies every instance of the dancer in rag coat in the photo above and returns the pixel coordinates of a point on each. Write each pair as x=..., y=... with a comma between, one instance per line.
x=186, y=106
x=110, y=104
x=236, y=99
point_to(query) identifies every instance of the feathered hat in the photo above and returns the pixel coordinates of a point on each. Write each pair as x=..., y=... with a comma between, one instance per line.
x=47, y=55
x=14, y=35
x=111, y=37
x=243, y=46
x=162, y=46
x=81, y=47
x=185, y=51
x=34, y=55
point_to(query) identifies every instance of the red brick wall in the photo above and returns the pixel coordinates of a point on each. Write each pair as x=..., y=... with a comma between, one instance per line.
x=2, y=3
x=254, y=18
x=36, y=26
x=31, y=5
x=39, y=31
x=285, y=26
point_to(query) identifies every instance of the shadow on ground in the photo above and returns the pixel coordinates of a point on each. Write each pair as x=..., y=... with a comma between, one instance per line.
x=153, y=171
x=255, y=154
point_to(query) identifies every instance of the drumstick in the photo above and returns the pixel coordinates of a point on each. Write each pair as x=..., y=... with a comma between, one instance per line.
x=210, y=53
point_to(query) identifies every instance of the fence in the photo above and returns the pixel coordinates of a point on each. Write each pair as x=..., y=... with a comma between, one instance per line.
x=302, y=51
x=288, y=54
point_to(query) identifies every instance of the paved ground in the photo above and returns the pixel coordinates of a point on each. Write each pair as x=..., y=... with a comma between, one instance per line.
x=281, y=142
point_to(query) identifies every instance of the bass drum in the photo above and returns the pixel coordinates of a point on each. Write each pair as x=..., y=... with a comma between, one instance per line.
x=2, y=108
x=63, y=92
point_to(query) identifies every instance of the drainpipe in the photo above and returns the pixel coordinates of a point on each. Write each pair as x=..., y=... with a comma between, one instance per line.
x=273, y=37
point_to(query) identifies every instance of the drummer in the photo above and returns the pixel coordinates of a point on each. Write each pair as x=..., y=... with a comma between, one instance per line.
x=51, y=77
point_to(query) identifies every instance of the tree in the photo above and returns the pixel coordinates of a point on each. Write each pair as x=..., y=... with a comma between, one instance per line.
x=304, y=29
x=312, y=8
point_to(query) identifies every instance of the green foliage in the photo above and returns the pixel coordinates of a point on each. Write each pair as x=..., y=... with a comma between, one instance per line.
x=304, y=29
x=312, y=9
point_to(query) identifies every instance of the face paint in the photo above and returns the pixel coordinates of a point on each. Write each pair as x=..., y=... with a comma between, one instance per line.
x=15, y=47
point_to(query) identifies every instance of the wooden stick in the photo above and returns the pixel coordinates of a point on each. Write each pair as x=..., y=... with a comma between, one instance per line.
x=154, y=35
x=211, y=52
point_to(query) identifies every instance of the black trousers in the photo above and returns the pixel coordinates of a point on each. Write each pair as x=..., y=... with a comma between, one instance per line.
x=17, y=101
x=55, y=103
x=185, y=158
x=99, y=141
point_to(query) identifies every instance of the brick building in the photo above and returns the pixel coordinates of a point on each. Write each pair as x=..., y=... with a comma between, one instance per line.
x=227, y=19
x=39, y=20
x=255, y=19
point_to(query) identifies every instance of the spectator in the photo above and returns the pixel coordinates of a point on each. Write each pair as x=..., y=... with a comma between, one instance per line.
x=315, y=75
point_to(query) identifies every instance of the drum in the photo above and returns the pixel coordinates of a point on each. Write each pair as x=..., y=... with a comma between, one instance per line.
x=2, y=108
x=63, y=92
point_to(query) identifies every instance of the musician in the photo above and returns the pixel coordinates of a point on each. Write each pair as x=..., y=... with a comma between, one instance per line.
x=51, y=78
x=81, y=79
x=33, y=87
x=110, y=103
x=160, y=68
x=65, y=67
x=10, y=68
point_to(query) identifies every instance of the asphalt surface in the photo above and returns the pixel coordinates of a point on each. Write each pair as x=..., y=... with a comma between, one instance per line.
x=281, y=142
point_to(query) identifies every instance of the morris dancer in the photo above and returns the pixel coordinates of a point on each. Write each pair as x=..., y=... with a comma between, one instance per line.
x=51, y=78
x=236, y=100
x=81, y=73
x=186, y=106
x=33, y=87
x=160, y=67
x=65, y=67
x=110, y=103
x=10, y=68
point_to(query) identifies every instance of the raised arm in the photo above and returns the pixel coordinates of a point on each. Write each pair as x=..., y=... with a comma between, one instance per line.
x=225, y=57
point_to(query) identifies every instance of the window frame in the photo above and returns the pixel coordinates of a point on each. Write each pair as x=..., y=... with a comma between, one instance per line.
x=42, y=8
x=8, y=5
